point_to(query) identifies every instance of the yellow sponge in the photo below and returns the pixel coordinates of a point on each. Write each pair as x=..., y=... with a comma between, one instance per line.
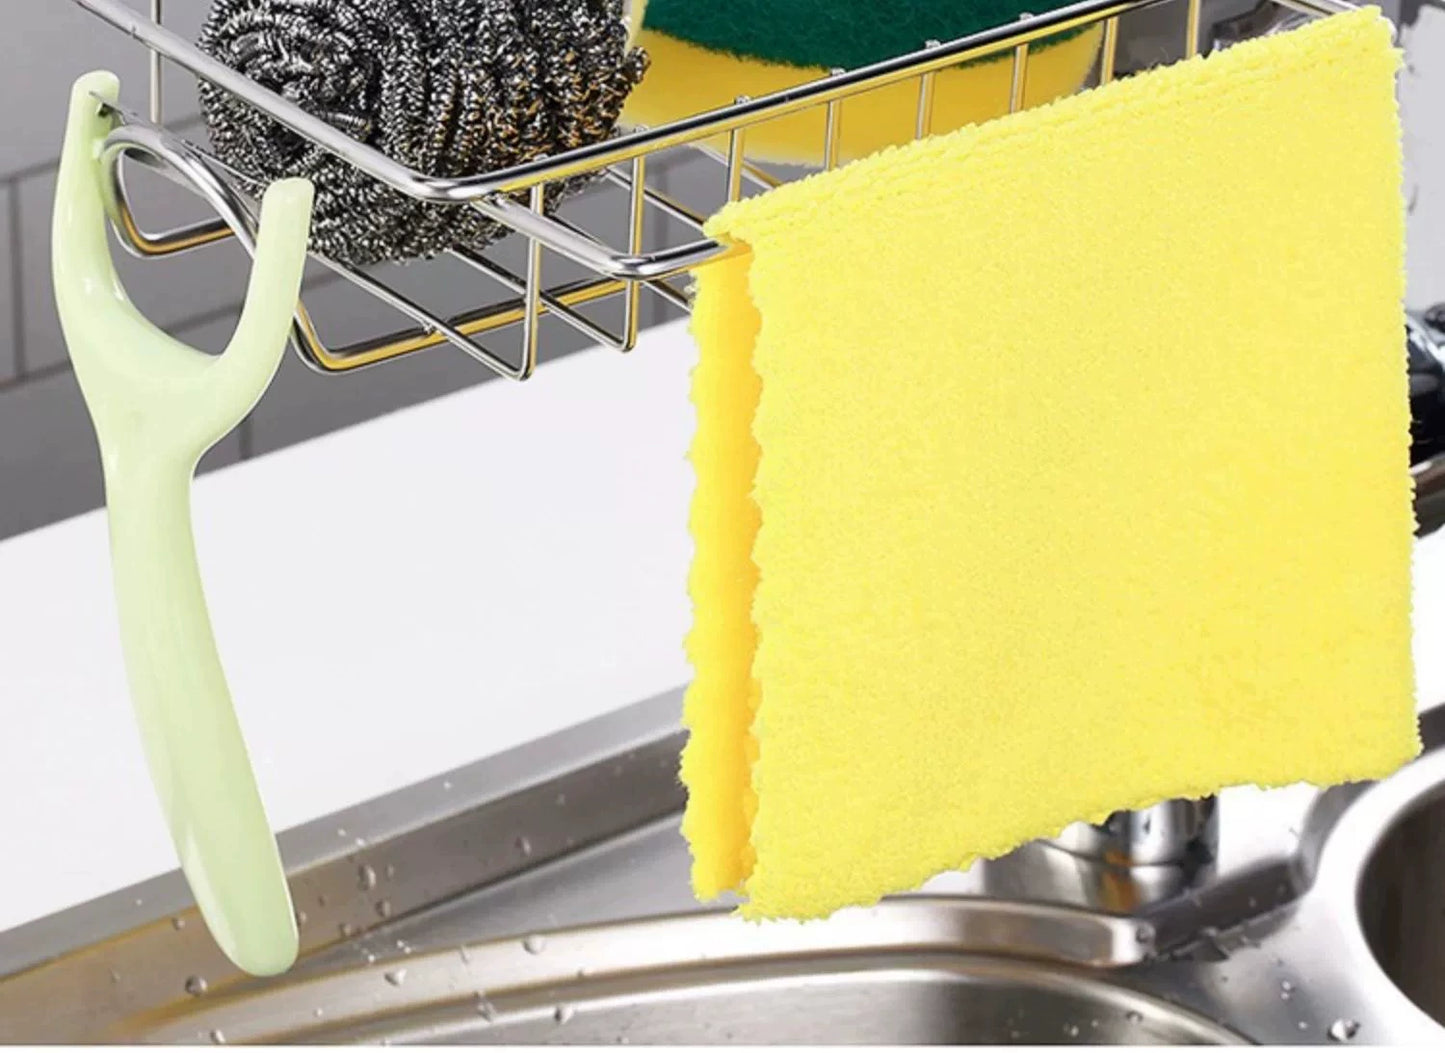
x=1012, y=508
x=685, y=79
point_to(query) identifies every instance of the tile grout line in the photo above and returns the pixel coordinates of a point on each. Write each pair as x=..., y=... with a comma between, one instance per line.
x=35, y=375
x=17, y=285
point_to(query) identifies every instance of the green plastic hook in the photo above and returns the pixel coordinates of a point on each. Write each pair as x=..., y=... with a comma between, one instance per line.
x=158, y=405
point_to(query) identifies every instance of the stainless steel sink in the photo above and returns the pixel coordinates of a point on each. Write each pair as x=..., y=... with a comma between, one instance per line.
x=542, y=896
x=909, y=971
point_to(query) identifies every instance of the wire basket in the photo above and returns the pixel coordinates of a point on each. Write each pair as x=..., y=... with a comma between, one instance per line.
x=611, y=271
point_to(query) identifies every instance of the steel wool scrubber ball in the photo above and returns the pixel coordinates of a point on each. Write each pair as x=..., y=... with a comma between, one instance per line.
x=449, y=87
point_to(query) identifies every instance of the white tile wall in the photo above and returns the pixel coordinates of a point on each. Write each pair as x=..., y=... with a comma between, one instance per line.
x=1422, y=104
x=47, y=44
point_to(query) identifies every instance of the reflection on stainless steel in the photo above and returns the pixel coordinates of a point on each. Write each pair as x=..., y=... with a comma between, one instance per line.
x=542, y=896
x=1264, y=19
x=1425, y=343
x=1400, y=903
x=907, y=971
x=1171, y=832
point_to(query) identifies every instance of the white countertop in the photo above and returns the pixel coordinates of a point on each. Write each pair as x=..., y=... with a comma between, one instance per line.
x=391, y=601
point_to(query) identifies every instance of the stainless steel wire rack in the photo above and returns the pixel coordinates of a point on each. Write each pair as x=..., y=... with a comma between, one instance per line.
x=612, y=271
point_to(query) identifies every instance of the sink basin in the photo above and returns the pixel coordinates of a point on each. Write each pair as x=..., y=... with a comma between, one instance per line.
x=541, y=896
x=1402, y=903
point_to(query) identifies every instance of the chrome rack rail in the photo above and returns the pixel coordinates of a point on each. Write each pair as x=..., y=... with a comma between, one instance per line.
x=623, y=161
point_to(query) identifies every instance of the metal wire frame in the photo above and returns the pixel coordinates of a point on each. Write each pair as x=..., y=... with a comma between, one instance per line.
x=622, y=160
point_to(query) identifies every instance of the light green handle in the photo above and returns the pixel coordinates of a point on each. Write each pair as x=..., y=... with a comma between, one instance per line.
x=157, y=406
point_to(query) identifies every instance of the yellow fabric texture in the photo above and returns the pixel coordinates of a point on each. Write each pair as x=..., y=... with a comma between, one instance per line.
x=685, y=79
x=1052, y=467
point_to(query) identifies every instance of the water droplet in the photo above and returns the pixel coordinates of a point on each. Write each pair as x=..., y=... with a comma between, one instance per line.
x=390, y=871
x=1134, y=1016
x=1093, y=1024
x=360, y=842
x=524, y=846
x=300, y=917
x=534, y=944
x=340, y=831
x=318, y=1012
x=218, y=1037
x=561, y=800
x=195, y=986
x=396, y=977
x=485, y=1009
x=1343, y=1030
x=1072, y=1030
x=1285, y=989
x=139, y=902
x=464, y=954
x=446, y=784
x=1253, y=903
x=383, y=908
x=1303, y=1026
x=114, y=977
x=178, y=923
x=370, y=958
x=366, y=878
x=563, y=1013
x=346, y=929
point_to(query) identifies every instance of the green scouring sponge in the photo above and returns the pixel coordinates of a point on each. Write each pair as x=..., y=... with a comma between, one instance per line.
x=705, y=53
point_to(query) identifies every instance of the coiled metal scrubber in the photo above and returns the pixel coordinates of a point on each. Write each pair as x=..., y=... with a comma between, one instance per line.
x=451, y=87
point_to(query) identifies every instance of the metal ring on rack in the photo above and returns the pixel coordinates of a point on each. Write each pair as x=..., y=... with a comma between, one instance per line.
x=163, y=150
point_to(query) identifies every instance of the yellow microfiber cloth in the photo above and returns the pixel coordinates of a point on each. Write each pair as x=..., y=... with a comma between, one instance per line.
x=1013, y=505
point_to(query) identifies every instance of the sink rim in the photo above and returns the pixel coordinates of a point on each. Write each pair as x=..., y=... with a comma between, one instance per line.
x=964, y=935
